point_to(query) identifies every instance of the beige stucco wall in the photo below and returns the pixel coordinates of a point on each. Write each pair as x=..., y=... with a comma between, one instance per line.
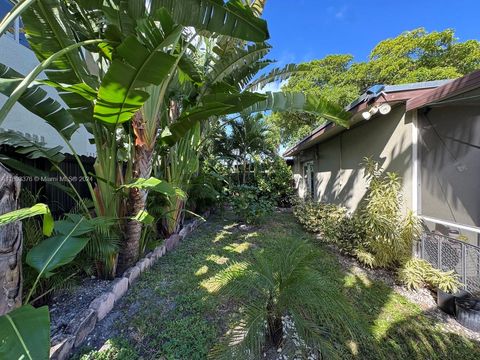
x=337, y=162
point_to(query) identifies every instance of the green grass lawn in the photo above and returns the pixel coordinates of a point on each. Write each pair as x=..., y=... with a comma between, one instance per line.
x=172, y=312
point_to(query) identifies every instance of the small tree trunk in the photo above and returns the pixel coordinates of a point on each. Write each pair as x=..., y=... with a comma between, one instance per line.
x=10, y=245
x=137, y=200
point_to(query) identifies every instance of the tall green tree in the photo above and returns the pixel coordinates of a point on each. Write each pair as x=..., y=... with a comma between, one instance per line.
x=413, y=56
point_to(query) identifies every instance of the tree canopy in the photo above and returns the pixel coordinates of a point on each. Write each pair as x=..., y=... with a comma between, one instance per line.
x=412, y=56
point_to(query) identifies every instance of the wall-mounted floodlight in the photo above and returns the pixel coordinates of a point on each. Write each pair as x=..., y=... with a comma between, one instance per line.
x=366, y=115
x=383, y=109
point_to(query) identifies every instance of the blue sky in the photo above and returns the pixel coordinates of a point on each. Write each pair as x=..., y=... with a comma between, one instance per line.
x=303, y=30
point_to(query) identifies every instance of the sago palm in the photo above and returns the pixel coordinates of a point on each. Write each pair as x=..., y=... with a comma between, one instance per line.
x=286, y=305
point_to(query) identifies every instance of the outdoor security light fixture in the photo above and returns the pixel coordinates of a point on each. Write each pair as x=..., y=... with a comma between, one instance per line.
x=366, y=115
x=384, y=109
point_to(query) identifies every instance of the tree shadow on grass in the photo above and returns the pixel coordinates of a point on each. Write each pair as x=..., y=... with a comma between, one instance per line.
x=399, y=329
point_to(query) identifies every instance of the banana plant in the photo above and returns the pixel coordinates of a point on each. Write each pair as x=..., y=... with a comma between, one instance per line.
x=25, y=331
x=141, y=50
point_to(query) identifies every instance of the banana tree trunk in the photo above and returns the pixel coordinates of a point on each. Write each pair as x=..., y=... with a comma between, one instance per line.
x=10, y=245
x=137, y=200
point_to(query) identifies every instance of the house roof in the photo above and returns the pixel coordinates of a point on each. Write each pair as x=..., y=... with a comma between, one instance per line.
x=414, y=95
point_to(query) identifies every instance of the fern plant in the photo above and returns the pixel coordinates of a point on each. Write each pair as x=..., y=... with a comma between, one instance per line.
x=287, y=305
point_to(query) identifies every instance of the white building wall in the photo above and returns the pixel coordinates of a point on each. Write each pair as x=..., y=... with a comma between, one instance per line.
x=23, y=60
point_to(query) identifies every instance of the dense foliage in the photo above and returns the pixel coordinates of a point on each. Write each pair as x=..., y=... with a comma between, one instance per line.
x=413, y=56
x=147, y=80
x=275, y=180
x=250, y=204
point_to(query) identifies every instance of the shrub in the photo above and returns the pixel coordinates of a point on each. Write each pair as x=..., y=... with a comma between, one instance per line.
x=276, y=182
x=320, y=218
x=389, y=234
x=417, y=273
x=350, y=234
x=249, y=204
x=206, y=190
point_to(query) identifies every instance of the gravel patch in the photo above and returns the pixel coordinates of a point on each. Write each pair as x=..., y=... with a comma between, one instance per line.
x=422, y=297
x=69, y=305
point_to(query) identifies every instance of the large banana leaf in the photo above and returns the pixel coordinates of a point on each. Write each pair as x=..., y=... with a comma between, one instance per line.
x=49, y=28
x=31, y=149
x=25, y=333
x=37, y=101
x=299, y=102
x=35, y=210
x=156, y=185
x=21, y=167
x=233, y=18
x=56, y=251
x=189, y=118
x=136, y=66
x=237, y=59
x=216, y=104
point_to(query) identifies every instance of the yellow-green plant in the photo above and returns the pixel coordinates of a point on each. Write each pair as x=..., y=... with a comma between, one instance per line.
x=389, y=234
x=416, y=273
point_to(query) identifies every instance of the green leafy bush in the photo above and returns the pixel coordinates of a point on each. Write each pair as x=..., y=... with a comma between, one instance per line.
x=249, y=204
x=389, y=233
x=320, y=218
x=276, y=182
x=417, y=273
x=350, y=234
x=206, y=190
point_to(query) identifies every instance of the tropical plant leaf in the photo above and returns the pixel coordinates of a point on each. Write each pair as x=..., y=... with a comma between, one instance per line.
x=37, y=209
x=135, y=67
x=32, y=75
x=37, y=101
x=156, y=185
x=245, y=74
x=48, y=29
x=189, y=118
x=299, y=102
x=21, y=167
x=216, y=104
x=25, y=333
x=233, y=18
x=277, y=74
x=31, y=149
x=144, y=217
x=56, y=251
x=237, y=59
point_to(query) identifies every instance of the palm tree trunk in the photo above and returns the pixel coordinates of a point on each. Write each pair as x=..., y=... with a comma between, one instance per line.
x=137, y=200
x=10, y=245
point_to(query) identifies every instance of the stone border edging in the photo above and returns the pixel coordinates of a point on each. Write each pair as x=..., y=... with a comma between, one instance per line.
x=78, y=329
